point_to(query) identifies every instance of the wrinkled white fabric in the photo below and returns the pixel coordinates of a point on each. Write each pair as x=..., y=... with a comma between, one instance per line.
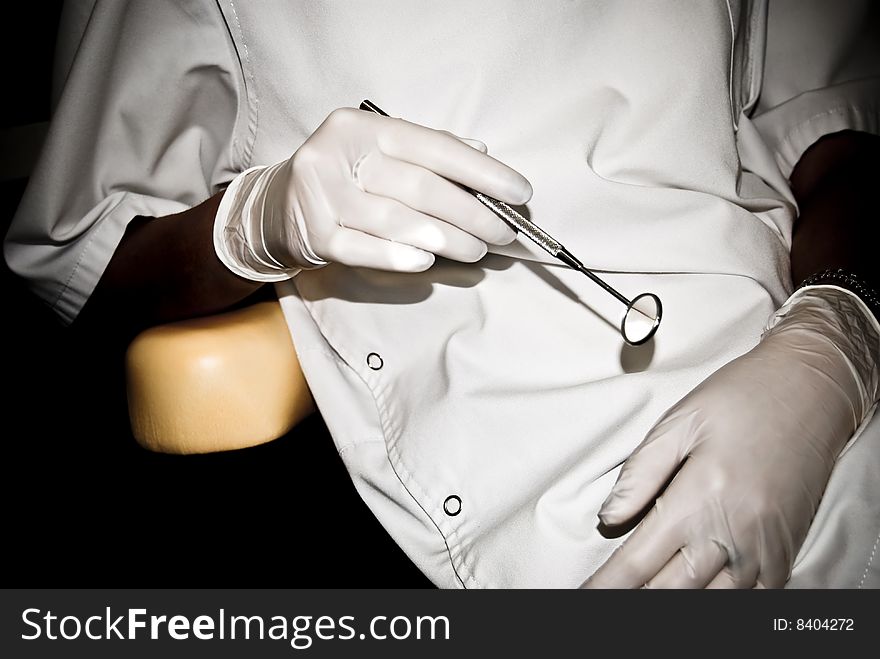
x=505, y=382
x=145, y=125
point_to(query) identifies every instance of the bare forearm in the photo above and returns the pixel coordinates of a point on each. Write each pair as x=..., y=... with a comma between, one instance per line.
x=165, y=269
x=832, y=183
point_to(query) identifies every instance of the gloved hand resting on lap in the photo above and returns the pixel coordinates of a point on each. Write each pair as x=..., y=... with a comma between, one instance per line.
x=751, y=450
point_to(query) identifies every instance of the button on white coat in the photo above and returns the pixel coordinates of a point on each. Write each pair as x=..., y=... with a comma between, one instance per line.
x=374, y=361
x=452, y=505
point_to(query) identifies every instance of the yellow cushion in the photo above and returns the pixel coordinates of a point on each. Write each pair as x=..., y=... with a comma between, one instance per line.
x=217, y=383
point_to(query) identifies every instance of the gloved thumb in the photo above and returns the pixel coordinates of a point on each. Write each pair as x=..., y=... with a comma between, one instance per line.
x=646, y=471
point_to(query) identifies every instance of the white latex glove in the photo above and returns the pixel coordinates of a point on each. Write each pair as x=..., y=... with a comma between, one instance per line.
x=365, y=190
x=753, y=446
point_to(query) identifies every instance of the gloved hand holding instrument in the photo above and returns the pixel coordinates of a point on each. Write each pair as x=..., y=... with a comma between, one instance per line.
x=365, y=190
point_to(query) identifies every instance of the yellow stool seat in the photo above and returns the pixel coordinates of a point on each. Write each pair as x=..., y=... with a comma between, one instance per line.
x=217, y=383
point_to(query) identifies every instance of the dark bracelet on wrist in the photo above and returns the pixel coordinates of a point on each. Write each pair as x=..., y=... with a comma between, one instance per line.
x=851, y=282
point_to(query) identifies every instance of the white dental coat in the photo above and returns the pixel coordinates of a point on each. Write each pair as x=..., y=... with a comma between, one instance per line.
x=483, y=410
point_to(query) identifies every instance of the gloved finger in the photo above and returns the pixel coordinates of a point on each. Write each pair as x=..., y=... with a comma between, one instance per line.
x=389, y=219
x=729, y=578
x=474, y=144
x=425, y=191
x=724, y=580
x=450, y=158
x=693, y=566
x=641, y=556
x=645, y=472
x=359, y=249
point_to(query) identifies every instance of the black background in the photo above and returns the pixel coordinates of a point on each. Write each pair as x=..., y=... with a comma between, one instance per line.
x=84, y=505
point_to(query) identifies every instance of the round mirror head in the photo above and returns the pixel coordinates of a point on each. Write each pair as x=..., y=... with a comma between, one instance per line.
x=642, y=319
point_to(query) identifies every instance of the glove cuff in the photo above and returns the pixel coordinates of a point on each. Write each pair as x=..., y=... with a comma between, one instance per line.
x=842, y=318
x=232, y=231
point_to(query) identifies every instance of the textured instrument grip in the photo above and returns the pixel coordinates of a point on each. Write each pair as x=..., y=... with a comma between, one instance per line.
x=518, y=222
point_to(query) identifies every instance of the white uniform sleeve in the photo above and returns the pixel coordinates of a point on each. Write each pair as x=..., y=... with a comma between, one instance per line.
x=821, y=74
x=145, y=125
